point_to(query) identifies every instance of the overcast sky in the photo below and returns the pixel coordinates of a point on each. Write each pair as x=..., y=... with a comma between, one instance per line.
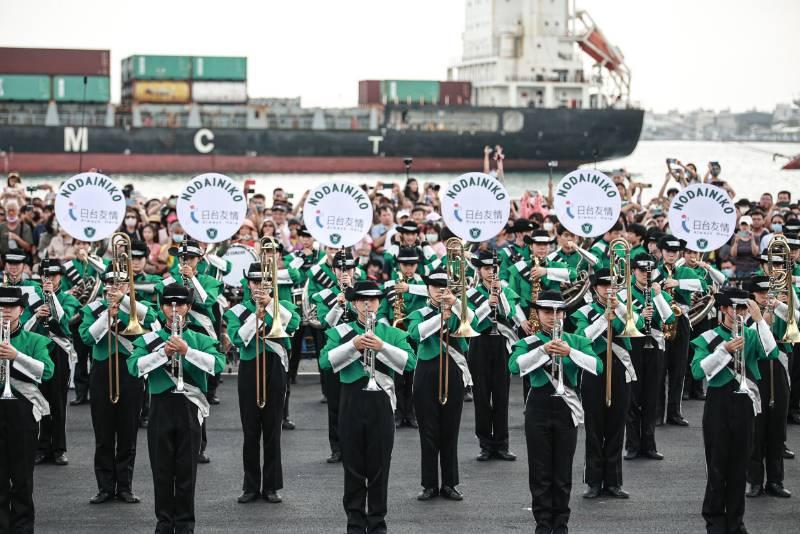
x=683, y=54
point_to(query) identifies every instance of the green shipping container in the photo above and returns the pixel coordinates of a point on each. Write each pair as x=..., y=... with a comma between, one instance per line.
x=24, y=87
x=219, y=68
x=156, y=68
x=70, y=89
x=413, y=91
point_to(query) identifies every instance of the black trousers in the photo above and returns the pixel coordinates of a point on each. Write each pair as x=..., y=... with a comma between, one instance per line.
x=84, y=352
x=690, y=385
x=173, y=440
x=770, y=426
x=727, y=435
x=115, y=427
x=641, y=424
x=53, y=433
x=258, y=422
x=488, y=365
x=605, y=425
x=332, y=386
x=438, y=425
x=18, y=431
x=367, y=427
x=551, y=438
x=794, y=371
x=404, y=391
x=676, y=357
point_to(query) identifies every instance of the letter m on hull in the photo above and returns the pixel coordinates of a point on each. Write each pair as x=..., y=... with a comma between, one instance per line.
x=76, y=139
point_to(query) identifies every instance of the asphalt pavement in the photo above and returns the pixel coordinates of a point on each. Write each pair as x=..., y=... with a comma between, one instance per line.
x=666, y=496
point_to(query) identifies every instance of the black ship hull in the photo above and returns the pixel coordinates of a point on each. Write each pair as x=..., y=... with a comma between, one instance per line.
x=568, y=136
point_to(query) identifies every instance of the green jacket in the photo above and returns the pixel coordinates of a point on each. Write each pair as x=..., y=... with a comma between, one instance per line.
x=148, y=358
x=66, y=306
x=320, y=276
x=662, y=313
x=216, y=268
x=329, y=311
x=509, y=255
x=94, y=326
x=591, y=321
x=478, y=301
x=428, y=260
x=423, y=329
x=145, y=286
x=33, y=363
x=302, y=263
x=712, y=362
x=206, y=289
x=340, y=355
x=241, y=321
x=528, y=357
x=74, y=270
x=690, y=281
x=520, y=281
x=414, y=299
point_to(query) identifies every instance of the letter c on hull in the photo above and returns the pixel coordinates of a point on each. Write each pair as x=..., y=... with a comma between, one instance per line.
x=203, y=141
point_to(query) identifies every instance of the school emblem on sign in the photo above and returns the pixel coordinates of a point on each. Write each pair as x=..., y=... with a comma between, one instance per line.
x=335, y=238
x=211, y=233
x=474, y=233
x=702, y=244
x=89, y=231
x=586, y=227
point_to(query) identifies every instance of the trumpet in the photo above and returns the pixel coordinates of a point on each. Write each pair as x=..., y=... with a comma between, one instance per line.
x=369, y=354
x=456, y=284
x=739, y=364
x=269, y=283
x=177, y=360
x=558, y=363
x=5, y=368
x=780, y=280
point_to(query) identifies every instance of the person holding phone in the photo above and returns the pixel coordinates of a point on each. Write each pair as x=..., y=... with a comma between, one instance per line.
x=744, y=250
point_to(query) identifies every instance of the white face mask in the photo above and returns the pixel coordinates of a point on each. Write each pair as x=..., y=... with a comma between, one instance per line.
x=130, y=221
x=548, y=226
x=431, y=238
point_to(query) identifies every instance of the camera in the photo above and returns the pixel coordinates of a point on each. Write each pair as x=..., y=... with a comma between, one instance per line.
x=408, y=161
x=552, y=163
x=289, y=195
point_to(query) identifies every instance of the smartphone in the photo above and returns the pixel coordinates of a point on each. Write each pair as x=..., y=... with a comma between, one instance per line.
x=671, y=161
x=289, y=195
x=408, y=161
x=552, y=163
x=743, y=233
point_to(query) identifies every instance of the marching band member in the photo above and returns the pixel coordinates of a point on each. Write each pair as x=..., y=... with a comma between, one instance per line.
x=518, y=249
x=174, y=433
x=115, y=414
x=680, y=282
x=202, y=313
x=288, y=279
x=569, y=253
x=409, y=237
x=257, y=420
x=366, y=414
x=494, y=307
x=552, y=418
x=791, y=228
x=79, y=273
x=331, y=308
x=144, y=284
x=439, y=422
x=636, y=235
x=409, y=286
x=727, y=356
x=605, y=425
x=600, y=249
x=26, y=354
x=14, y=270
x=770, y=425
x=52, y=321
x=648, y=362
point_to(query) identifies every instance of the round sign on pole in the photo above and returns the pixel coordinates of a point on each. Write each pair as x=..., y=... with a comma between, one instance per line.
x=587, y=202
x=211, y=207
x=704, y=216
x=338, y=213
x=475, y=206
x=90, y=206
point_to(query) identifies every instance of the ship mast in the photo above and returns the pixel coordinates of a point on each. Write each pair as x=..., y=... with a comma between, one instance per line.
x=528, y=53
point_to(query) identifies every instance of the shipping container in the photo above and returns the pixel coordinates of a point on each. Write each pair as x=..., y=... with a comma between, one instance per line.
x=156, y=68
x=410, y=91
x=24, y=88
x=70, y=89
x=54, y=61
x=219, y=68
x=369, y=92
x=455, y=93
x=219, y=92
x=172, y=92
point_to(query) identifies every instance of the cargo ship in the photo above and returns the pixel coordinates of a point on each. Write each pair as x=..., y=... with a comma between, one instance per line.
x=521, y=83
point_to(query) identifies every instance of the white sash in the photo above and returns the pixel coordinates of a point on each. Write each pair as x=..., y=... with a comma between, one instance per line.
x=195, y=396
x=31, y=392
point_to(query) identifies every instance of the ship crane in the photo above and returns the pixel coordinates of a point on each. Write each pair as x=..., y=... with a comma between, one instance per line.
x=592, y=41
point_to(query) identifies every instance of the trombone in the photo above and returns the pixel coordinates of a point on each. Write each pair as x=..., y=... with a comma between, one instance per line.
x=269, y=282
x=780, y=280
x=620, y=271
x=121, y=269
x=455, y=265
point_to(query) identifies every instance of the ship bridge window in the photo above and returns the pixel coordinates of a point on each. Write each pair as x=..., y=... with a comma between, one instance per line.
x=444, y=120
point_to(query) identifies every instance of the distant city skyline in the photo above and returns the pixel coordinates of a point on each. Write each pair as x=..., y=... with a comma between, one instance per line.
x=683, y=54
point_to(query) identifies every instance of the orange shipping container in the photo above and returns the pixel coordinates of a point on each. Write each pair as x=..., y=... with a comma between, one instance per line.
x=160, y=92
